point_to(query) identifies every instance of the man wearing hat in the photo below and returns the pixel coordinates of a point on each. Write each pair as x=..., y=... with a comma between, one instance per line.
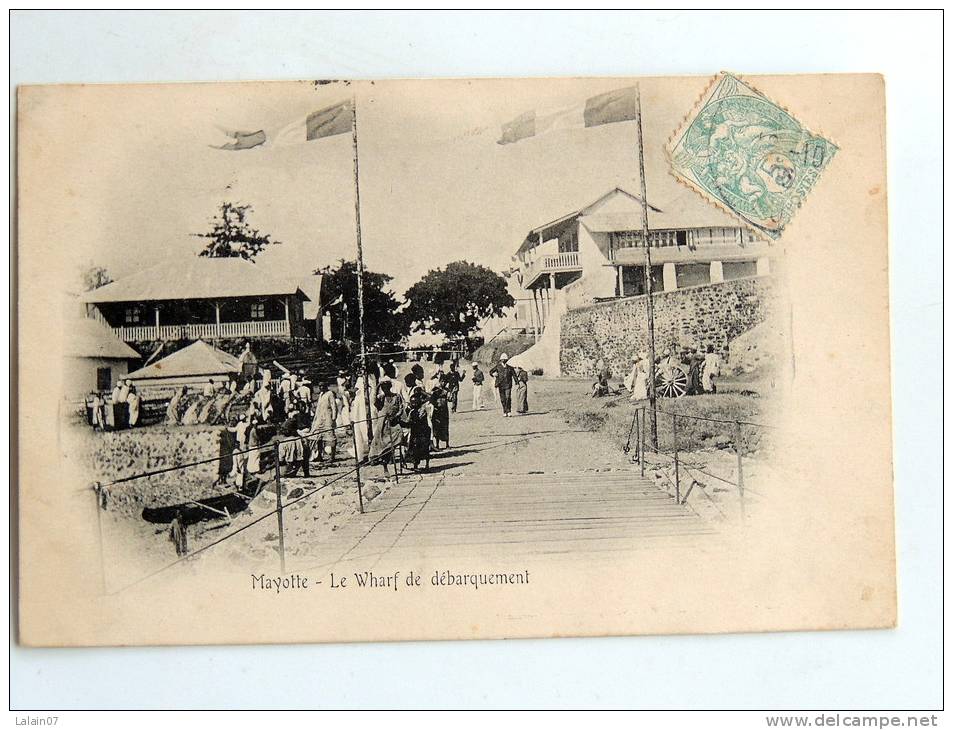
x=503, y=375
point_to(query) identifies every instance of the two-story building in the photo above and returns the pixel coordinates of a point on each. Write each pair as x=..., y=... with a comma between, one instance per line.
x=597, y=252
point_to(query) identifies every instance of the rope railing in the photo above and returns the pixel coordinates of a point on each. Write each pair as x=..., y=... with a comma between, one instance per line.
x=674, y=485
x=237, y=452
x=232, y=534
x=712, y=420
x=392, y=446
x=694, y=467
x=679, y=461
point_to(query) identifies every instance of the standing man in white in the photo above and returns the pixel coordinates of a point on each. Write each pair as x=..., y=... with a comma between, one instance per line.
x=478, y=377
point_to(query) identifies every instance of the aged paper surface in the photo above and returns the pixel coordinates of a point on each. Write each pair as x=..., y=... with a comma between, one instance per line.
x=552, y=522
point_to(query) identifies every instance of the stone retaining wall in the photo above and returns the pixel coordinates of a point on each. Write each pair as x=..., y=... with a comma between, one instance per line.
x=115, y=454
x=694, y=317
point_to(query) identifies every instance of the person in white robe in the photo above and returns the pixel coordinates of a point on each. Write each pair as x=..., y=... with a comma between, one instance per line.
x=253, y=441
x=263, y=403
x=97, y=405
x=359, y=416
x=284, y=390
x=239, y=455
x=711, y=368
x=322, y=437
x=637, y=380
x=134, y=401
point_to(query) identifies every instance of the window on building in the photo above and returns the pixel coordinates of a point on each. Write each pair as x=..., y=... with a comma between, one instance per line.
x=692, y=274
x=738, y=269
x=133, y=315
x=258, y=310
x=718, y=237
x=659, y=239
x=104, y=378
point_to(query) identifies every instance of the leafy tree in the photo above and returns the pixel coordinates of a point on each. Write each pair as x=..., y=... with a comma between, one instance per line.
x=232, y=236
x=382, y=321
x=453, y=301
x=95, y=277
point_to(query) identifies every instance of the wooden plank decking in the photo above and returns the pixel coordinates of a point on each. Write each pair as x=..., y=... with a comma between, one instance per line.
x=522, y=516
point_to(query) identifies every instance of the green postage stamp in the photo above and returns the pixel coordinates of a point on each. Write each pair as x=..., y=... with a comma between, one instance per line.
x=749, y=154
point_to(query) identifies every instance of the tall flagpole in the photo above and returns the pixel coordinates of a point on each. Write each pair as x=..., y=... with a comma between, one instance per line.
x=360, y=272
x=649, y=307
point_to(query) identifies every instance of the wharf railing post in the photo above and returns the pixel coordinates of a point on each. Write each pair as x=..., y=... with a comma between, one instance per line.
x=281, y=522
x=357, y=469
x=638, y=433
x=642, y=444
x=393, y=456
x=675, y=446
x=98, y=494
x=741, y=476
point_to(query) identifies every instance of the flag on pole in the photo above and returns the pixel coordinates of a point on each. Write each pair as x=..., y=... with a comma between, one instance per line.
x=613, y=106
x=327, y=122
x=241, y=140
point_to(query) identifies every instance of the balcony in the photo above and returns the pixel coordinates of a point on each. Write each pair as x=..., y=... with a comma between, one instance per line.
x=552, y=263
x=263, y=328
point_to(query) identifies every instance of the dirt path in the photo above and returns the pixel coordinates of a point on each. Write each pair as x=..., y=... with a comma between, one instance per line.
x=484, y=442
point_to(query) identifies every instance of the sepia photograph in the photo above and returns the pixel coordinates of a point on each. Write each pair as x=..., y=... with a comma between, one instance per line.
x=349, y=360
x=336, y=338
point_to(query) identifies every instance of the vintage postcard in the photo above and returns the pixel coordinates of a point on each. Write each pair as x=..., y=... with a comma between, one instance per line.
x=325, y=361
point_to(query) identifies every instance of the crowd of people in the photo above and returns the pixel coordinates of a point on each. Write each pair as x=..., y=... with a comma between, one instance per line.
x=124, y=393
x=701, y=372
x=409, y=416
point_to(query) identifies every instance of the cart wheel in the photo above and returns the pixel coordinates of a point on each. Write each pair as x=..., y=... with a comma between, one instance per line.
x=671, y=383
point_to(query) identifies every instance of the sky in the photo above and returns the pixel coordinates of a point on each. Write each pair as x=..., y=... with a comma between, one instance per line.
x=133, y=173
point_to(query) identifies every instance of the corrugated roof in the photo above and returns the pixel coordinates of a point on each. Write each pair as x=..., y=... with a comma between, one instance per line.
x=198, y=359
x=658, y=220
x=194, y=277
x=687, y=209
x=89, y=338
x=671, y=206
x=555, y=227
